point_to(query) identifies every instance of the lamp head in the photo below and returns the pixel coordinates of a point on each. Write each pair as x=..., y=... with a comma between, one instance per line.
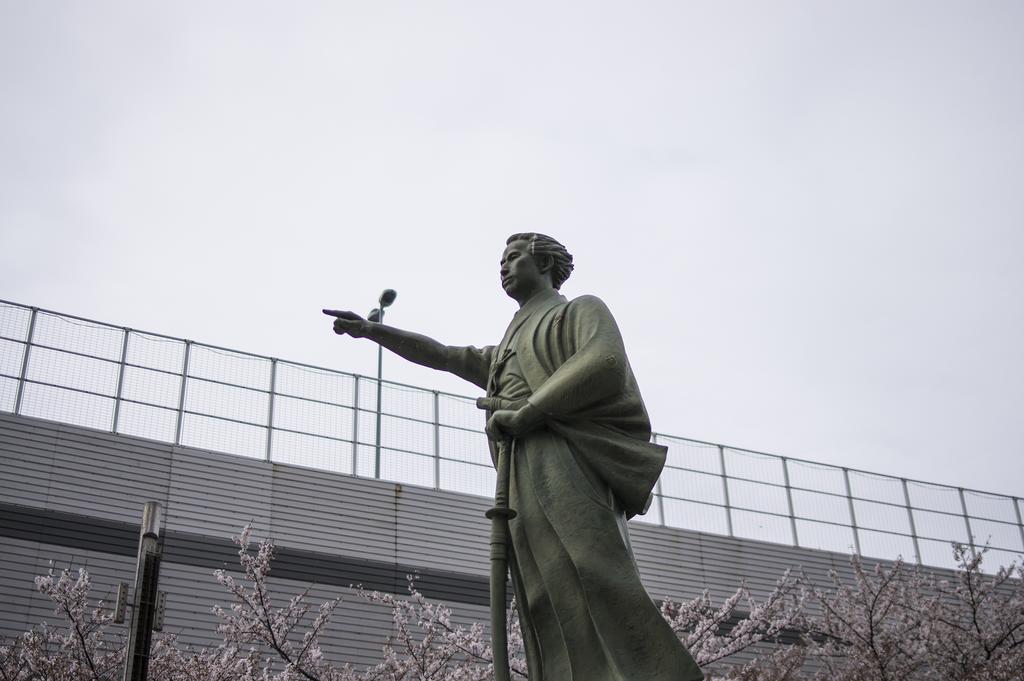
x=387, y=297
x=374, y=316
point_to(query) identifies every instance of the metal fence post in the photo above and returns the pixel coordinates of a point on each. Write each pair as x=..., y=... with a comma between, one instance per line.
x=270, y=406
x=120, y=380
x=181, y=393
x=1020, y=523
x=853, y=515
x=789, y=501
x=910, y=517
x=24, y=360
x=725, y=489
x=658, y=494
x=437, y=440
x=967, y=521
x=355, y=425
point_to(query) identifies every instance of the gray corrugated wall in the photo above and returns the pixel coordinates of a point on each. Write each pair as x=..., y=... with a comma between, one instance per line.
x=99, y=482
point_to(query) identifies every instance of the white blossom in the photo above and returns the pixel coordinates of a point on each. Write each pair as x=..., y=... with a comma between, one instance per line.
x=907, y=624
x=887, y=623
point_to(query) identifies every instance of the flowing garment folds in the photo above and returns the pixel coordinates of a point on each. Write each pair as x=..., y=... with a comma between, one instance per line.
x=574, y=481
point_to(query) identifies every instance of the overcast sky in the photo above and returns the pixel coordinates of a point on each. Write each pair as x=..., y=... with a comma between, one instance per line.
x=807, y=217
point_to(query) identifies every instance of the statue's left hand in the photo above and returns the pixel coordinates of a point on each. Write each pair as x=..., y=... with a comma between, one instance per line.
x=509, y=423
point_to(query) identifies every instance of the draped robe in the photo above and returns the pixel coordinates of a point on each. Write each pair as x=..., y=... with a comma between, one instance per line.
x=574, y=481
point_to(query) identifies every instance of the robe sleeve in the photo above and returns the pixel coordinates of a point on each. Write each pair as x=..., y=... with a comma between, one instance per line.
x=595, y=369
x=470, y=363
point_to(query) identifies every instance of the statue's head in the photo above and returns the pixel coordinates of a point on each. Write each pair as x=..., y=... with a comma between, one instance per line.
x=533, y=260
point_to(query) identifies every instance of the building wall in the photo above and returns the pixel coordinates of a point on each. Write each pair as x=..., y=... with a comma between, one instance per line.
x=72, y=496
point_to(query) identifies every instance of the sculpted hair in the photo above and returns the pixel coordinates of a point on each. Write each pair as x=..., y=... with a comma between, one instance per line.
x=544, y=246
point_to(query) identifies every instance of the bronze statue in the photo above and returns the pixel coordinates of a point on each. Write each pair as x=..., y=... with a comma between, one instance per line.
x=561, y=393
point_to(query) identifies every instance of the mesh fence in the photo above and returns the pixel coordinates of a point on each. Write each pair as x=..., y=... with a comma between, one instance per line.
x=77, y=371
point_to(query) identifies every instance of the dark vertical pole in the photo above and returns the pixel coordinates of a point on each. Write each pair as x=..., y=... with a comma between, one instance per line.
x=144, y=600
x=355, y=426
x=380, y=364
x=380, y=370
x=437, y=440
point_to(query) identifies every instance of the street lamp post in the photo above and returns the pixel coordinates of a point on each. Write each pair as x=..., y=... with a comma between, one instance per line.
x=387, y=297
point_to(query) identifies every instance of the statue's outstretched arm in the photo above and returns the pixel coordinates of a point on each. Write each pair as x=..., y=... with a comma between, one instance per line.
x=412, y=346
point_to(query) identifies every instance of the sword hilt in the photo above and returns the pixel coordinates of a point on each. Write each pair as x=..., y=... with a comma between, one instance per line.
x=497, y=511
x=501, y=483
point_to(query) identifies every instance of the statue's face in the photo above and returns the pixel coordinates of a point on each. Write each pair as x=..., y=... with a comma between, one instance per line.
x=520, y=273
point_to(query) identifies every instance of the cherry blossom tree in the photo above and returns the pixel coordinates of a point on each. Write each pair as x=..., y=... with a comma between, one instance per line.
x=977, y=622
x=426, y=645
x=78, y=650
x=713, y=634
x=885, y=623
x=262, y=641
x=904, y=623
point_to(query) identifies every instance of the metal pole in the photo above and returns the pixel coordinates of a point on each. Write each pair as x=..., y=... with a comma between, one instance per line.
x=380, y=361
x=355, y=426
x=144, y=599
x=24, y=360
x=380, y=365
x=658, y=494
x=1020, y=524
x=437, y=440
x=789, y=501
x=120, y=380
x=910, y=517
x=181, y=392
x=270, y=408
x=387, y=296
x=967, y=521
x=725, y=489
x=853, y=515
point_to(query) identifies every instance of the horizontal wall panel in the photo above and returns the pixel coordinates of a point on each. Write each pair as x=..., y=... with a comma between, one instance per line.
x=79, y=532
x=443, y=529
x=74, y=496
x=107, y=476
x=27, y=462
x=20, y=567
x=312, y=510
x=217, y=494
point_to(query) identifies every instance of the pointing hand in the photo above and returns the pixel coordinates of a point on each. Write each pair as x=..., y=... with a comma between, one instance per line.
x=348, y=322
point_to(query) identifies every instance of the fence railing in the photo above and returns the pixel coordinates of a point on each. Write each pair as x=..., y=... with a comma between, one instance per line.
x=78, y=371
